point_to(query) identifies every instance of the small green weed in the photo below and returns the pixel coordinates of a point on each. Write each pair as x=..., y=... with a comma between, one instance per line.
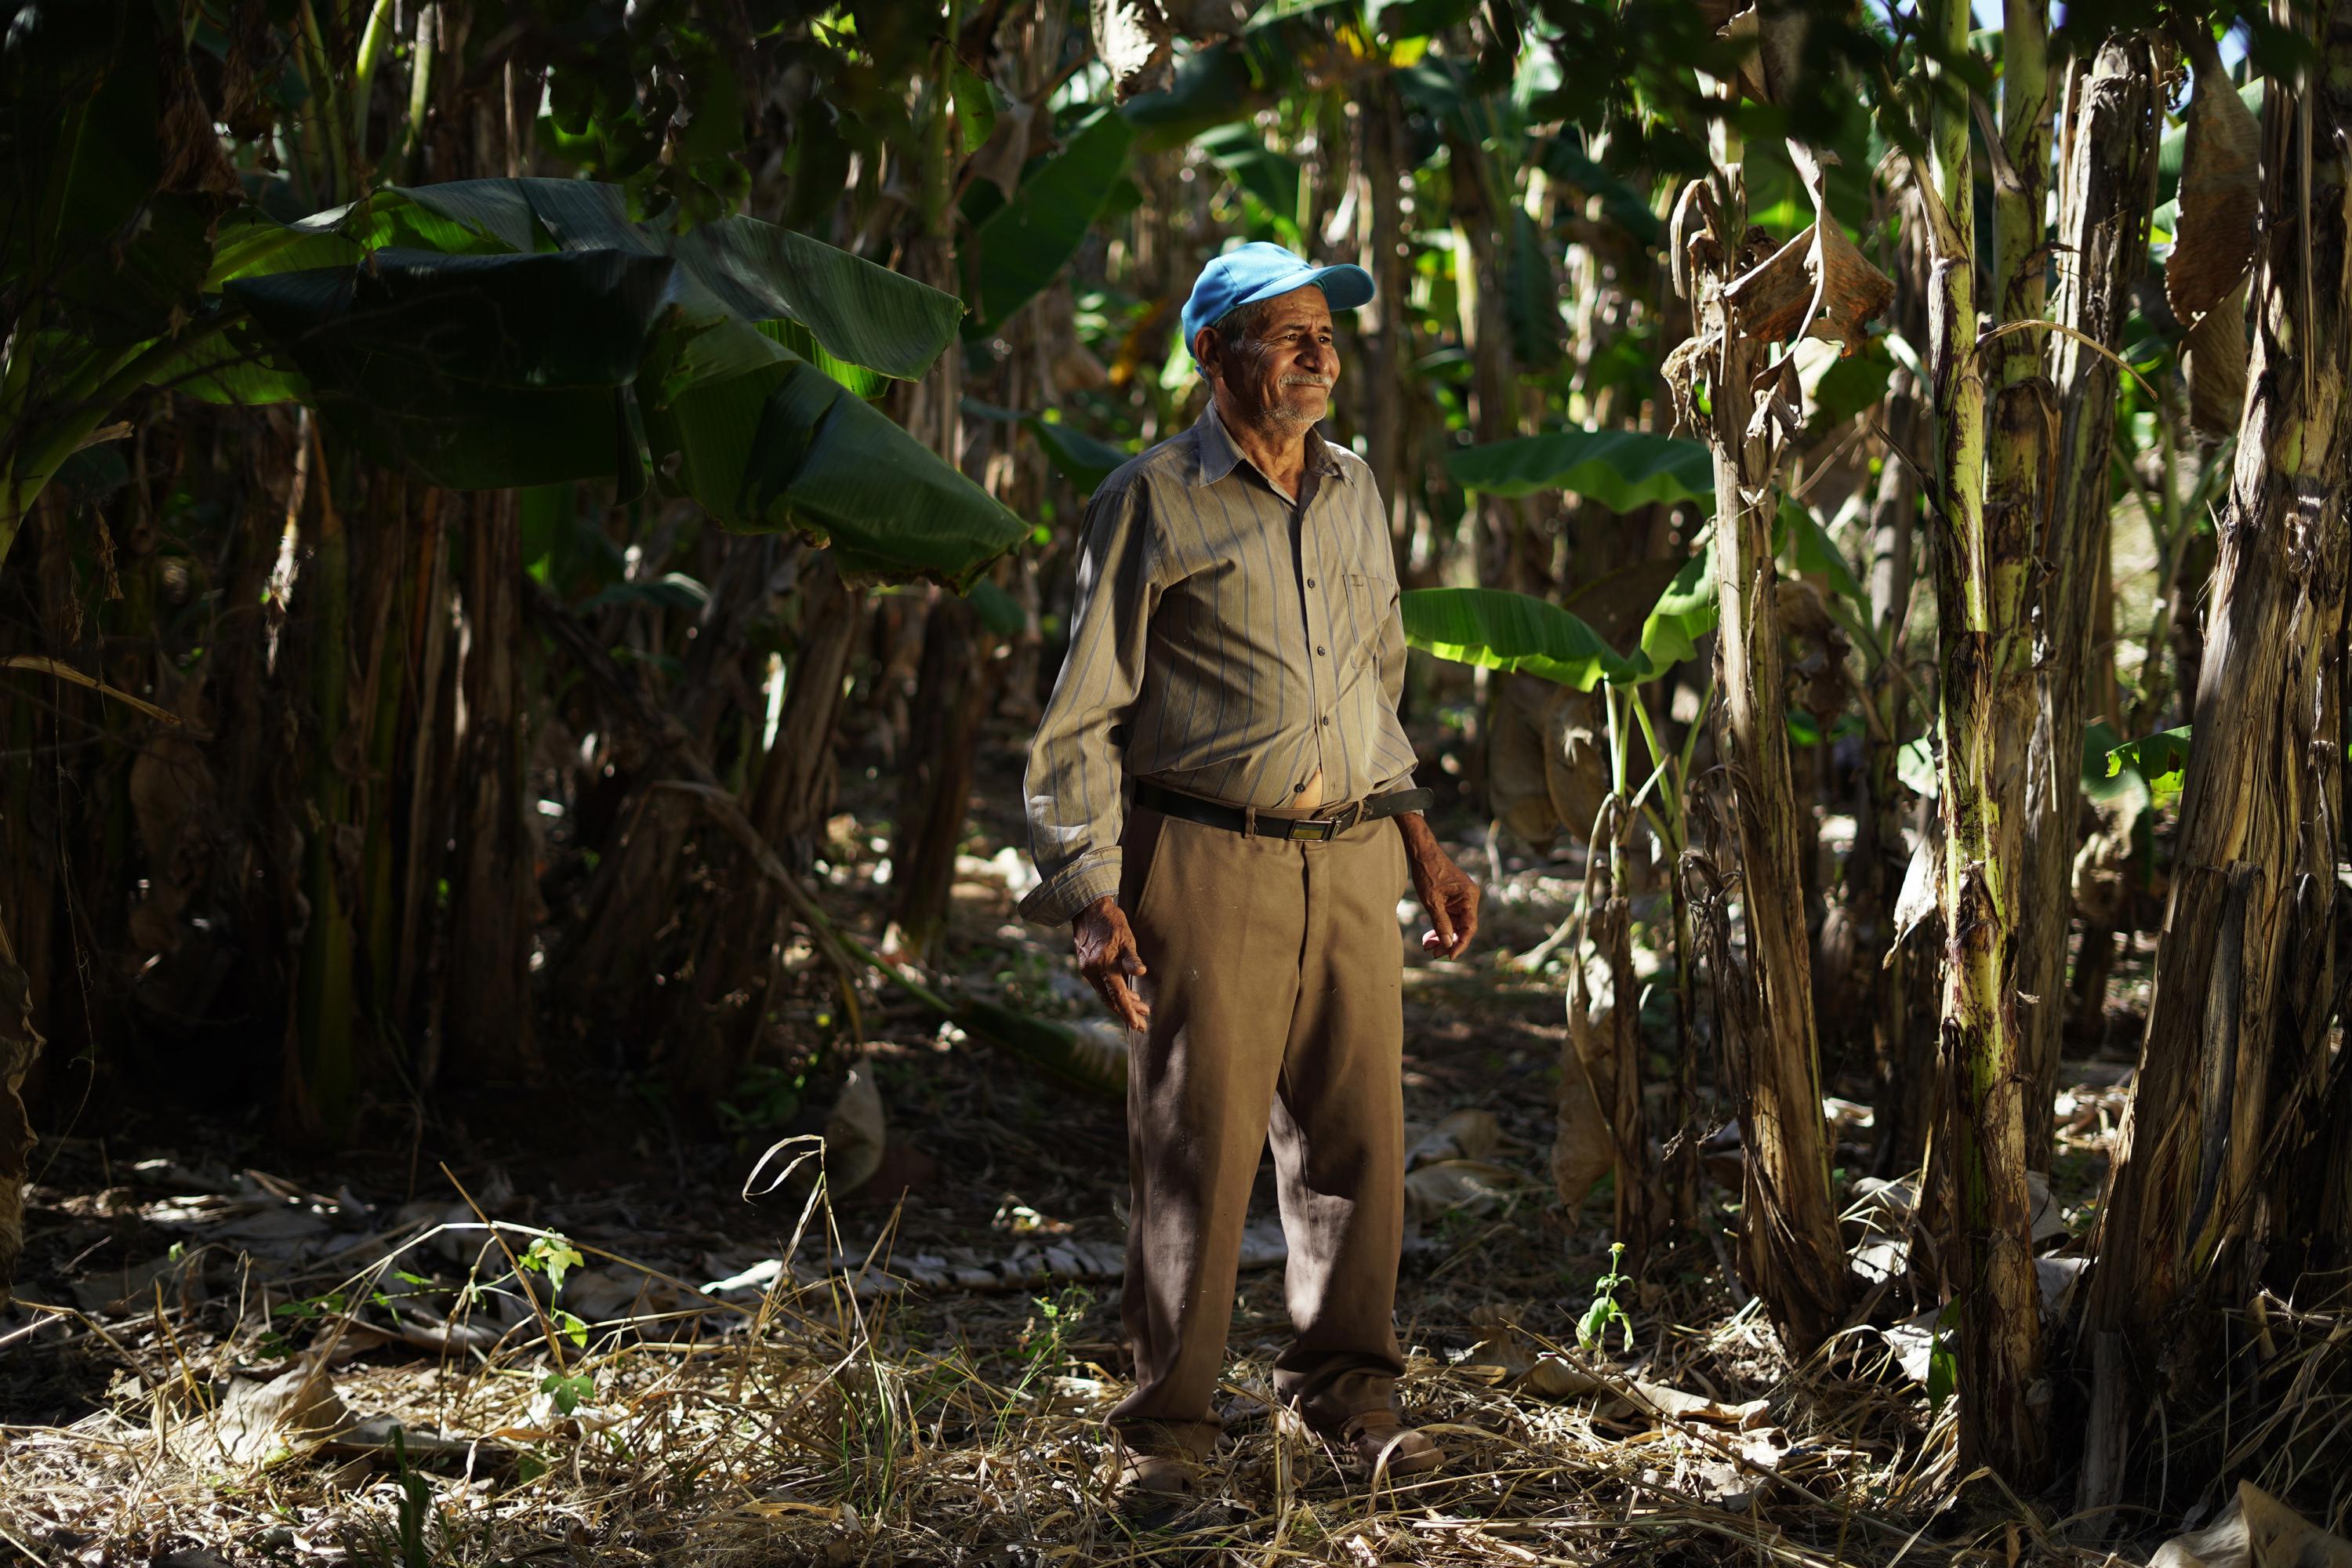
x=1592, y=1328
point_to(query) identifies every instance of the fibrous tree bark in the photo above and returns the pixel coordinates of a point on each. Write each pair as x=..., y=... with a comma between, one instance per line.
x=2234, y=1066
x=2109, y=186
x=493, y=892
x=1790, y=1254
x=1996, y=420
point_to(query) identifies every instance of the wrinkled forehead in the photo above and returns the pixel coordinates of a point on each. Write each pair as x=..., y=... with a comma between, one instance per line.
x=1299, y=307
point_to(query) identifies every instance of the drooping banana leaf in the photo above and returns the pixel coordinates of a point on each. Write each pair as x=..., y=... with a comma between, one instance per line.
x=1025, y=242
x=783, y=443
x=1078, y=456
x=528, y=332
x=476, y=372
x=863, y=314
x=1621, y=469
x=1515, y=632
x=1531, y=299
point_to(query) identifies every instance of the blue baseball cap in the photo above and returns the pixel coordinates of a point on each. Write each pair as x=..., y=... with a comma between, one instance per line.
x=1259, y=270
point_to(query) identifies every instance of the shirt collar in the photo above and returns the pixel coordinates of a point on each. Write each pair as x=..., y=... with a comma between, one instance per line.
x=1220, y=457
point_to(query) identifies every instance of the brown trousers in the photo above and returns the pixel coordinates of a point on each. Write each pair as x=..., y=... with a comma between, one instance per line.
x=1275, y=982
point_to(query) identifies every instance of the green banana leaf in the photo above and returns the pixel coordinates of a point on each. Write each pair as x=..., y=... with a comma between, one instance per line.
x=780, y=443
x=1621, y=469
x=2162, y=759
x=1531, y=300
x=1685, y=613
x=862, y=314
x=527, y=332
x=1497, y=629
x=1078, y=456
x=476, y=372
x=1812, y=549
x=1242, y=153
x=1023, y=244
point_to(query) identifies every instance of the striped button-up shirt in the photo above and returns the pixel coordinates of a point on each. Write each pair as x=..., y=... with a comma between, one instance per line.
x=1228, y=642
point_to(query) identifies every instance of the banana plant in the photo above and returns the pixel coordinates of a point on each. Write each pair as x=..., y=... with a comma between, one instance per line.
x=479, y=334
x=486, y=333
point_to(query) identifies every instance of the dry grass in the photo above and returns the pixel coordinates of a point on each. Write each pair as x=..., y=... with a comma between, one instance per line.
x=823, y=1415
x=822, y=1422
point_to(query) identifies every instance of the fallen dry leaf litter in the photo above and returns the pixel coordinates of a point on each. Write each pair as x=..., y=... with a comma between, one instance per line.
x=629, y=1362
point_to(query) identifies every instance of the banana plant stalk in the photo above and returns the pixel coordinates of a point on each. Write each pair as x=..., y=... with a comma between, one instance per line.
x=1991, y=457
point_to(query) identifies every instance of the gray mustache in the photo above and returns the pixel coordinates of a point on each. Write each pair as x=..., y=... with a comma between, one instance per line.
x=1297, y=380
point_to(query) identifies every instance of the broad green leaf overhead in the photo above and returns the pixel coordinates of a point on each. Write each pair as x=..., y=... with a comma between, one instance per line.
x=526, y=332
x=1497, y=629
x=476, y=372
x=1027, y=242
x=864, y=315
x=1621, y=469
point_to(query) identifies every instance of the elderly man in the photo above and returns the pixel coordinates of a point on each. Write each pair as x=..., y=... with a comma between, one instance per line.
x=1235, y=661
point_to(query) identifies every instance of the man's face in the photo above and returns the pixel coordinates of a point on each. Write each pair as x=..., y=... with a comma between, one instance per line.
x=1286, y=375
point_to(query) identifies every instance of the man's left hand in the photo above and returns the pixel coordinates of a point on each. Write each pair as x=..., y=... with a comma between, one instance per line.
x=1446, y=892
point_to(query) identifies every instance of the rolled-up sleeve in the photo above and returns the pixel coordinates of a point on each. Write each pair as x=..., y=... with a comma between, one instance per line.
x=1073, y=785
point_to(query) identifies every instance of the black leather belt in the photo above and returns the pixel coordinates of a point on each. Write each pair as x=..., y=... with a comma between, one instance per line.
x=1303, y=829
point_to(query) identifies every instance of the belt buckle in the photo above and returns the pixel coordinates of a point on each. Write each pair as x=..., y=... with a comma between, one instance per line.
x=1323, y=829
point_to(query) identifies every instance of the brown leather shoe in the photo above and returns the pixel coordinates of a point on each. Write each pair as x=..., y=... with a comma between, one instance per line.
x=1378, y=1441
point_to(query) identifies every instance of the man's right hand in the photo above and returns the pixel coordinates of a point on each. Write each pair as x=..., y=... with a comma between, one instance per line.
x=1107, y=957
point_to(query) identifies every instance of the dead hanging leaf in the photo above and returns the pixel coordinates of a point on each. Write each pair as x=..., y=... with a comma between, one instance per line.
x=1546, y=766
x=1817, y=285
x=1921, y=896
x=1132, y=36
x=1774, y=45
x=2217, y=367
x=2220, y=193
x=2256, y=1530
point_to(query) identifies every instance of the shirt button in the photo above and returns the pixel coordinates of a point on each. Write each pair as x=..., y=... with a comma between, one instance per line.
x=1319, y=649
x=1298, y=789
x=1310, y=582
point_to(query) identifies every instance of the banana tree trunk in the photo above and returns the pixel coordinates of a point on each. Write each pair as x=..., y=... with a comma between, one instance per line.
x=493, y=894
x=934, y=799
x=1901, y=1053
x=1992, y=457
x=1790, y=1254
x=2103, y=218
x=320, y=1092
x=2232, y=1064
